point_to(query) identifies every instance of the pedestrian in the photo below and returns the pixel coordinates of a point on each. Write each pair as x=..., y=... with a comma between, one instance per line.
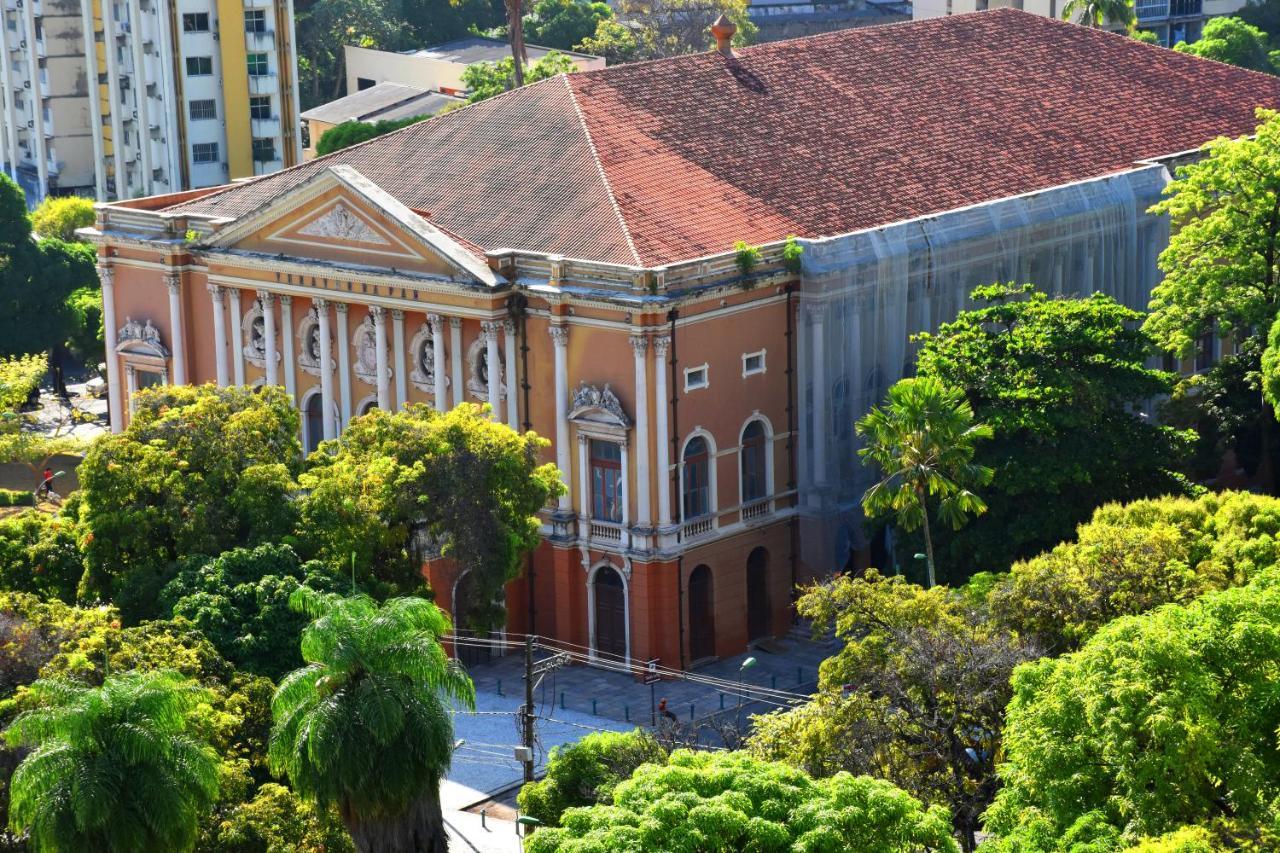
x=46, y=485
x=662, y=709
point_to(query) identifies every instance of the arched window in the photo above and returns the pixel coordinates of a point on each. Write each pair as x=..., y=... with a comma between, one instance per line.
x=313, y=423
x=755, y=474
x=697, y=479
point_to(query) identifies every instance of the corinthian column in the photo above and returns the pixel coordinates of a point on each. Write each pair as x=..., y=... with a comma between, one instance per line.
x=641, y=347
x=437, y=357
x=660, y=348
x=286, y=339
x=384, y=370
x=217, y=295
x=115, y=409
x=493, y=360
x=560, y=338
x=397, y=340
x=820, y=419
x=173, y=281
x=344, y=365
x=326, y=370
x=269, y=336
x=237, y=332
x=513, y=408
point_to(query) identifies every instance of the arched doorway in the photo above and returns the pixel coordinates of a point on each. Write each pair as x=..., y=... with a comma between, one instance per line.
x=702, y=625
x=610, y=611
x=758, y=595
x=468, y=654
x=313, y=426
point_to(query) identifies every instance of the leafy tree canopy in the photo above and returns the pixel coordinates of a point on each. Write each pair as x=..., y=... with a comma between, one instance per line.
x=199, y=470
x=60, y=216
x=1160, y=721
x=1059, y=380
x=276, y=821
x=20, y=377
x=486, y=79
x=1233, y=41
x=916, y=696
x=587, y=772
x=352, y=132
x=240, y=601
x=673, y=27
x=562, y=24
x=458, y=478
x=113, y=768
x=1099, y=13
x=732, y=801
x=32, y=630
x=1133, y=558
x=40, y=553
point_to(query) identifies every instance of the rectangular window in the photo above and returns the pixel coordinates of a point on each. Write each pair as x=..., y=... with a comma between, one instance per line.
x=204, y=109
x=264, y=150
x=1204, y=352
x=606, y=481
x=199, y=66
x=204, y=152
x=260, y=107
x=149, y=379
x=195, y=22
x=752, y=363
x=695, y=378
x=258, y=65
x=255, y=20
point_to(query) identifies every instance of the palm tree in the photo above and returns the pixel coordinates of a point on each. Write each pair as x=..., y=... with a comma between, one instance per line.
x=923, y=442
x=114, y=767
x=1099, y=13
x=363, y=725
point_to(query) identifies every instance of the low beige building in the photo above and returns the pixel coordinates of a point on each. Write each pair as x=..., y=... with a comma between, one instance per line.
x=439, y=68
x=383, y=102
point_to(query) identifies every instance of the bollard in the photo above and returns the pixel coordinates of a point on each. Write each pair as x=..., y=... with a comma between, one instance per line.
x=500, y=693
x=690, y=711
x=626, y=710
x=561, y=700
x=593, y=706
x=721, y=701
x=773, y=682
x=483, y=812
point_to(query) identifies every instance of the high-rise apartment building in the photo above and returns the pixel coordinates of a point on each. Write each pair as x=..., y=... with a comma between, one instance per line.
x=161, y=96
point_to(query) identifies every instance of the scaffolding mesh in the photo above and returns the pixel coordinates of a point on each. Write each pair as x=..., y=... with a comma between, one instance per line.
x=863, y=296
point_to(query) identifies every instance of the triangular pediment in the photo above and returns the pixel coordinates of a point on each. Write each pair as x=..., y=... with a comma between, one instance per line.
x=341, y=217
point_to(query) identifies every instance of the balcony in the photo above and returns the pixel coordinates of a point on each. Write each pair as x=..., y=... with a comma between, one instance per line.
x=264, y=40
x=757, y=509
x=698, y=528
x=1155, y=10
x=1146, y=10
x=607, y=532
x=263, y=84
x=269, y=126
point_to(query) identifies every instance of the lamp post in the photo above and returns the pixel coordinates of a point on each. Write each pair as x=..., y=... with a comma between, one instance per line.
x=742, y=669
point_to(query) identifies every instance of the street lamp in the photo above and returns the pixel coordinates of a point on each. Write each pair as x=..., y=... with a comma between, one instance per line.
x=742, y=669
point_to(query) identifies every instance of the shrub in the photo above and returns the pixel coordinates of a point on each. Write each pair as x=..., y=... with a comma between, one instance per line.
x=19, y=378
x=60, y=216
x=586, y=773
x=746, y=256
x=11, y=497
x=39, y=554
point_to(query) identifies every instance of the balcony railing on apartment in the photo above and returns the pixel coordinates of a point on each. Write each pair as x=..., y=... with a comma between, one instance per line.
x=260, y=39
x=263, y=84
x=1149, y=10
x=269, y=126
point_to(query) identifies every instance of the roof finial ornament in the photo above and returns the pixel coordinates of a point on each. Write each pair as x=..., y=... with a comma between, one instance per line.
x=723, y=30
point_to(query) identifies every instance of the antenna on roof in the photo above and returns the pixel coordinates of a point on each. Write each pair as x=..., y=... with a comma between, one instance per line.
x=723, y=30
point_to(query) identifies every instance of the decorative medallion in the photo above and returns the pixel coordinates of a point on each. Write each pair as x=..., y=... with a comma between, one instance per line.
x=478, y=382
x=254, y=328
x=340, y=223
x=309, y=343
x=422, y=352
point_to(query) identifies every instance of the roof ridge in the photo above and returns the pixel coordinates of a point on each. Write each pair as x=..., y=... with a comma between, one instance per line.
x=595, y=156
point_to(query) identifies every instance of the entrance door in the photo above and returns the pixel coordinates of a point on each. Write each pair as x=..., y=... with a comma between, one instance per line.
x=702, y=626
x=758, y=595
x=610, y=613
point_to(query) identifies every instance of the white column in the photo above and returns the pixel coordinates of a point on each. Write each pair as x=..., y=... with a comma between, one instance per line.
x=107, y=275
x=457, y=357
x=326, y=373
x=660, y=349
x=493, y=359
x=237, y=335
x=560, y=337
x=344, y=365
x=173, y=281
x=513, y=407
x=286, y=339
x=820, y=420
x=397, y=339
x=216, y=295
x=379, y=315
x=641, y=347
x=437, y=357
x=95, y=100
x=269, y=335
x=625, y=485
x=584, y=485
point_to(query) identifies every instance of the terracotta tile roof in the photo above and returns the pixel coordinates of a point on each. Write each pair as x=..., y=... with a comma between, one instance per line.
x=668, y=160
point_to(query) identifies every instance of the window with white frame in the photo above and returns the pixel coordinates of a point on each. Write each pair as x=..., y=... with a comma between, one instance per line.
x=258, y=66
x=752, y=363
x=697, y=479
x=696, y=377
x=755, y=471
x=606, y=481
x=204, y=152
x=206, y=108
x=199, y=66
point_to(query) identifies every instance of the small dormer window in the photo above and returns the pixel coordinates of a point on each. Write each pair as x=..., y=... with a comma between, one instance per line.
x=695, y=378
x=752, y=363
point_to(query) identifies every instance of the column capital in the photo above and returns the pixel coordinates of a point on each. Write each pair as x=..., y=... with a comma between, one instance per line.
x=583, y=438
x=455, y=322
x=661, y=346
x=435, y=321
x=285, y=299
x=491, y=327
x=107, y=274
x=130, y=370
x=173, y=281
x=397, y=314
x=509, y=326
x=640, y=344
x=217, y=291
x=378, y=313
x=266, y=296
x=340, y=307
x=321, y=305
x=559, y=335
x=815, y=312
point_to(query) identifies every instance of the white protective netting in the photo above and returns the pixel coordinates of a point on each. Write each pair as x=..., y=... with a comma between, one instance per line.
x=863, y=296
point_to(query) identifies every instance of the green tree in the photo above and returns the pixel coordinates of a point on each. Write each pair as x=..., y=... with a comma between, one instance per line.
x=276, y=821
x=1133, y=558
x=113, y=768
x=19, y=379
x=198, y=471
x=732, y=801
x=674, y=27
x=457, y=478
x=1099, y=13
x=923, y=442
x=240, y=601
x=614, y=41
x=1233, y=41
x=350, y=133
x=1160, y=721
x=86, y=337
x=33, y=630
x=486, y=79
x=363, y=726
x=916, y=696
x=561, y=24
x=1062, y=382
x=40, y=553
x=1222, y=266
x=60, y=216
x=587, y=772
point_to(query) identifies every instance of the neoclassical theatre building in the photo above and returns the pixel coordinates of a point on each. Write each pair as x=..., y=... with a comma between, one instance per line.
x=566, y=253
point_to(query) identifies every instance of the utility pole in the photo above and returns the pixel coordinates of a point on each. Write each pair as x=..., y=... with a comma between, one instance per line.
x=528, y=708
